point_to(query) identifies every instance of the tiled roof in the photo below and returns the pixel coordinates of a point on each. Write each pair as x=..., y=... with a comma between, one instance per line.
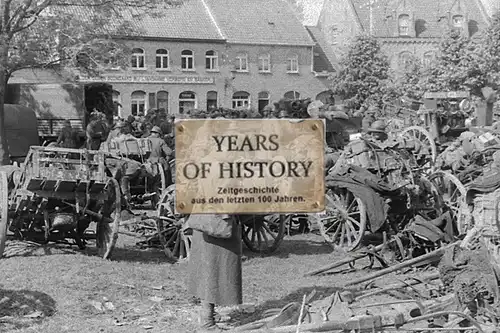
x=426, y=15
x=191, y=20
x=267, y=22
x=324, y=57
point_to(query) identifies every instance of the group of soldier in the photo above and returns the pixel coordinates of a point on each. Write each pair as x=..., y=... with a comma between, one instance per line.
x=101, y=136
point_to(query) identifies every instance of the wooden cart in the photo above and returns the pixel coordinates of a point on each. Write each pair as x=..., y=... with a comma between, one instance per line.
x=152, y=181
x=56, y=194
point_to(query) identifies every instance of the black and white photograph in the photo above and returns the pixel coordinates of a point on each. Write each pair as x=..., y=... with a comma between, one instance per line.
x=260, y=166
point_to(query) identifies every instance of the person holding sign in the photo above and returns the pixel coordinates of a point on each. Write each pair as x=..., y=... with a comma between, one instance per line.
x=215, y=274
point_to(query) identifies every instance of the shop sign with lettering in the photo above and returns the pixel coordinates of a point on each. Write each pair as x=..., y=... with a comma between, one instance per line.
x=249, y=166
x=150, y=79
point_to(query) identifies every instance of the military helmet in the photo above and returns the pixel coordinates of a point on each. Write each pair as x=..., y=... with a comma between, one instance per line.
x=156, y=129
x=378, y=126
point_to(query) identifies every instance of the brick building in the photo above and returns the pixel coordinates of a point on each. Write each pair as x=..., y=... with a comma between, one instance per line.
x=404, y=27
x=206, y=54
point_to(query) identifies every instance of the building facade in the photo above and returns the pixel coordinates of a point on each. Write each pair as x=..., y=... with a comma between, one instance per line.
x=404, y=28
x=214, y=60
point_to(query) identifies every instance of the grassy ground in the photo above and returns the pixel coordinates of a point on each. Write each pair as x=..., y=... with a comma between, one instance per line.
x=50, y=289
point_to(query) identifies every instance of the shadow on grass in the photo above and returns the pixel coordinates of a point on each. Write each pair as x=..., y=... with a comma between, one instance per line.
x=134, y=254
x=291, y=246
x=23, y=308
x=239, y=318
x=17, y=248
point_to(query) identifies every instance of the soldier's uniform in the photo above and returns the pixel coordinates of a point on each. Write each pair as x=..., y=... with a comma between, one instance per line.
x=160, y=153
x=97, y=132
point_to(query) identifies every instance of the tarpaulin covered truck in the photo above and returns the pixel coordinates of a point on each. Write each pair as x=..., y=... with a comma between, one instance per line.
x=55, y=103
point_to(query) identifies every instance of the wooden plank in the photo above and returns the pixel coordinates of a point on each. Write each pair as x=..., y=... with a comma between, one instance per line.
x=34, y=184
x=64, y=195
x=66, y=186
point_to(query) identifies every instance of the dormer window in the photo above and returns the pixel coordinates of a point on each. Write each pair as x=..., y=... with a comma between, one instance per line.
x=457, y=22
x=404, y=25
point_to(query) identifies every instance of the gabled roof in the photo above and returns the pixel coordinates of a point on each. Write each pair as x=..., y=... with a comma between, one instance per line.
x=427, y=14
x=324, y=57
x=264, y=22
x=191, y=20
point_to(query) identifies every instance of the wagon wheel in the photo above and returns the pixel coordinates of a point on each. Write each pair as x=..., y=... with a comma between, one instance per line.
x=4, y=210
x=453, y=194
x=344, y=223
x=174, y=237
x=107, y=231
x=424, y=138
x=263, y=233
x=161, y=189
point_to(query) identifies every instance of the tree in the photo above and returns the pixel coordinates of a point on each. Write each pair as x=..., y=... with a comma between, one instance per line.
x=489, y=63
x=65, y=34
x=364, y=75
x=409, y=84
x=456, y=66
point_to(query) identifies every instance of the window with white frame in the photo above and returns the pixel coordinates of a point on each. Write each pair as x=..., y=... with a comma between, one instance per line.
x=292, y=95
x=162, y=60
x=138, y=60
x=211, y=60
x=292, y=64
x=458, y=21
x=263, y=100
x=138, y=103
x=211, y=100
x=117, y=104
x=428, y=59
x=187, y=60
x=187, y=101
x=404, y=60
x=241, y=100
x=265, y=63
x=404, y=25
x=241, y=64
x=162, y=100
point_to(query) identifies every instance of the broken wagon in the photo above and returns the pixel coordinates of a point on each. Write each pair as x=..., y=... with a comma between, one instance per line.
x=377, y=189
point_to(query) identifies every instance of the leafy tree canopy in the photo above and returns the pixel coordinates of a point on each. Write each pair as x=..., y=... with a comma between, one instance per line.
x=81, y=34
x=364, y=74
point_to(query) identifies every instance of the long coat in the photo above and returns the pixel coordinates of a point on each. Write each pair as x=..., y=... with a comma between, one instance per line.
x=215, y=267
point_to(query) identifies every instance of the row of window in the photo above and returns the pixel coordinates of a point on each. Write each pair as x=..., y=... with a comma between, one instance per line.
x=140, y=103
x=405, y=57
x=404, y=22
x=138, y=61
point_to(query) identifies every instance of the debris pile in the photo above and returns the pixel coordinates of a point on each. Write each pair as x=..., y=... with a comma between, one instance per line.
x=459, y=293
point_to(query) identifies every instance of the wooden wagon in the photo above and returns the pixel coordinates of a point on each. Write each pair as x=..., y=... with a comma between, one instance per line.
x=152, y=180
x=55, y=196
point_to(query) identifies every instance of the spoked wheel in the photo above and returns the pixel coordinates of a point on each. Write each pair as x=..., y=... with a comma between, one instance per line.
x=174, y=236
x=344, y=223
x=428, y=150
x=263, y=233
x=4, y=210
x=453, y=194
x=107, y=228
x=161, y=189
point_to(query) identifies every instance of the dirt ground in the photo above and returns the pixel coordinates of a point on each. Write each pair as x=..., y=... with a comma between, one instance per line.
x=53, y=289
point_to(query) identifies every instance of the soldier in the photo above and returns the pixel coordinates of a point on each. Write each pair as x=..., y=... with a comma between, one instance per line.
x=131, y=169
x=115, y=131
x=68, y=138
x=160, y=154
x=97, y=130
x=377, y=131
